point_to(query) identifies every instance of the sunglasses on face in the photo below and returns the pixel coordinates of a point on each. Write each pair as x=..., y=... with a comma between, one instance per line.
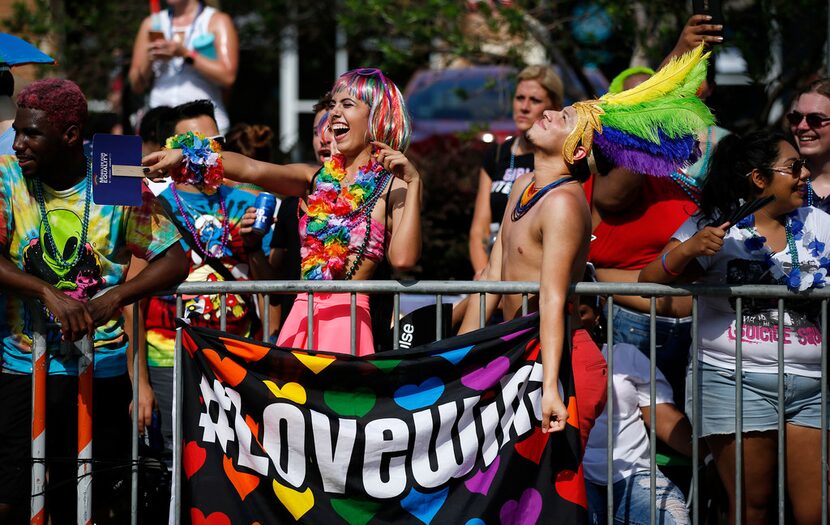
x=793, y=169
x=814, y=120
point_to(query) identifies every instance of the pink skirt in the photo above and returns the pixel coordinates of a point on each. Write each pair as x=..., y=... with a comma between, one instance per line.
x=331, y=322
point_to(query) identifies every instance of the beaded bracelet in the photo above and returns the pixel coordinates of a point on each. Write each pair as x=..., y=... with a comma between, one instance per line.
x=202, y=163
x=666, y=268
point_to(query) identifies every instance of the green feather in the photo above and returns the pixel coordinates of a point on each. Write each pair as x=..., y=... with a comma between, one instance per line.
x=674, y=116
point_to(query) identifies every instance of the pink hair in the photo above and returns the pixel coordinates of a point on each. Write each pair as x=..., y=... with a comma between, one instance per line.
x=389, y=121
x=61, y=100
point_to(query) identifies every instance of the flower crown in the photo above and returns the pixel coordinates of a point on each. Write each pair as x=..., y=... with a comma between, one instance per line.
x=202, y=165
x=651, y=128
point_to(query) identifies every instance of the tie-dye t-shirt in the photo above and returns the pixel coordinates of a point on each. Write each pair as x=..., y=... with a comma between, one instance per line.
x=113, y=234
x=205, y=216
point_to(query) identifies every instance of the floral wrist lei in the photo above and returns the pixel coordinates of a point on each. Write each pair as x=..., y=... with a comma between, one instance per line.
x=202, y=163
x=802, y=276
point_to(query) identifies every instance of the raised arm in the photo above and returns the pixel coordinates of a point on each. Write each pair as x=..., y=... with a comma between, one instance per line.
x=285, y=179
x=141, y=72
x=678, y=262
x=405, y=243
x=221, y=71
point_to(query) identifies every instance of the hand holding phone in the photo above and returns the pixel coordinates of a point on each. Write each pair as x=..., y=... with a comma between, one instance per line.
x=700, y=28
x=156, y=35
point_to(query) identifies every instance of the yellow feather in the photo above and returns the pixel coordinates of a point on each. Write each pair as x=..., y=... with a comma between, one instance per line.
x=668, y=78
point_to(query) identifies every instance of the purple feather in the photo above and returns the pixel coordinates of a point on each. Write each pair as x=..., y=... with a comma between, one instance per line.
x=628, y=151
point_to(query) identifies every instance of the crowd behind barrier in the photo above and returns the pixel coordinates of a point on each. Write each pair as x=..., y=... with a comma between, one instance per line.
x=699, y=511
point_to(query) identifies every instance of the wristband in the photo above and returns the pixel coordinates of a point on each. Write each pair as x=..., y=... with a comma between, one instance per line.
x=666, y=268
x=190, y=57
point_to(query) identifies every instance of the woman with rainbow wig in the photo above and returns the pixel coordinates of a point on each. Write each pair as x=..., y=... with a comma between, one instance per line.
x=361, y=206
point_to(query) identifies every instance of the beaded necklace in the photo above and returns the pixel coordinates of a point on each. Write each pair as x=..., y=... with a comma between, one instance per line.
x=50, y=240
x=688, y=186
x=809, y=192
x=756, y=243
x=531, y=195
x=205, y=250
x=333, y=211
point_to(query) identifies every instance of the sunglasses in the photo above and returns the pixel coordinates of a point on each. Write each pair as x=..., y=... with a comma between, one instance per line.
x=219, y=139
x=814, y=120
x=372, y=72
x=793, y=169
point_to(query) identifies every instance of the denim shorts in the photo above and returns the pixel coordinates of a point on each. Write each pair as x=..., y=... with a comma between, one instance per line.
x=673, y=339
x=802, y=400
x=632, y=501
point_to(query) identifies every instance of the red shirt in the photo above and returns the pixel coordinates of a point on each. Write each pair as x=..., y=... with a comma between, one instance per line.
x=632, y=239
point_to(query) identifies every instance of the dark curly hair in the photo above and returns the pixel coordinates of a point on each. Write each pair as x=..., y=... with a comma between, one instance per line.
x=727, y=181
x=252, y=141
x=62, y=100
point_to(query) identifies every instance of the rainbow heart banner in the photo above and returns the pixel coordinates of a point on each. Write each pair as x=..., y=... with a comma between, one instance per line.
x=443, y=433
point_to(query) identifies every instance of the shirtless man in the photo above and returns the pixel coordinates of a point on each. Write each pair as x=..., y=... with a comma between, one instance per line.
x=544, y=237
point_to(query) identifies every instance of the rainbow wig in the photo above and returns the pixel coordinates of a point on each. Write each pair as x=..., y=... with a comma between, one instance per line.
x=652, y=128
x=389, y=121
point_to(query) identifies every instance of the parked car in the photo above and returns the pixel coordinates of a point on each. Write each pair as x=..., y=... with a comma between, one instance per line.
x=476, y=101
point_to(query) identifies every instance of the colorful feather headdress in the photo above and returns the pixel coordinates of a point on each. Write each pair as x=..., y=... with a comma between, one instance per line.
x=651, y=128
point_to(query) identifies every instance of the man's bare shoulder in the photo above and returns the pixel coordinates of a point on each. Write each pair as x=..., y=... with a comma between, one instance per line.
x=565, y=201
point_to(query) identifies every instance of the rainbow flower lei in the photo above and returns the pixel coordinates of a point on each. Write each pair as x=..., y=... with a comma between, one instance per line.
x=202, y=166
x=333, y=212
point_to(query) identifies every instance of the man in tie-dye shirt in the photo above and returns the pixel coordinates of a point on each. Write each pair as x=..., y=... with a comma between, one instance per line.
x=65, y=257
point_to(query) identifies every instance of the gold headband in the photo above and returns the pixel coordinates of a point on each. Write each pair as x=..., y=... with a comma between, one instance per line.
x=587, y=121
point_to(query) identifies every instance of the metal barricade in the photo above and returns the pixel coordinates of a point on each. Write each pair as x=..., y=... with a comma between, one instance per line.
x=441, y=288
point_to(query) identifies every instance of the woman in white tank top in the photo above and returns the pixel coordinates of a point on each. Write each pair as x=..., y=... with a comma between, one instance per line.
x=188, y=52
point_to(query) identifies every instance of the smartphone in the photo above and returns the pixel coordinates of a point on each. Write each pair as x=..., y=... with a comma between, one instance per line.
x=709, y=7
x=156, y=35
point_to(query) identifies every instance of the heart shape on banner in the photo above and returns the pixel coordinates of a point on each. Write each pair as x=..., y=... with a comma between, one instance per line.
x=355, y=512
x=315, y=363
x=526, y=511
x=570, y=485
x=486, y=376
x=227, y=370
x=455, y=356
x=243, y=483
x=480, y=482
x=413, y=397
x=247, y=351
x=354, y=403
x=296, y=502
x=533, y=446
x=216, y=518
x=193, y=458
x=290, y=391
x=424, y=505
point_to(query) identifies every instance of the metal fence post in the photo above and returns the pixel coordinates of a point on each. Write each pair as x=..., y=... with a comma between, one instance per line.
x=134, y=451
x=609, y=414
x=739, y=409
x=85, y=372
x=178, y=363
x=39, y=373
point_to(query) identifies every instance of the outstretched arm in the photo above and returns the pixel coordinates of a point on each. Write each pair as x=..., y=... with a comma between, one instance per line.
x=288, y=179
